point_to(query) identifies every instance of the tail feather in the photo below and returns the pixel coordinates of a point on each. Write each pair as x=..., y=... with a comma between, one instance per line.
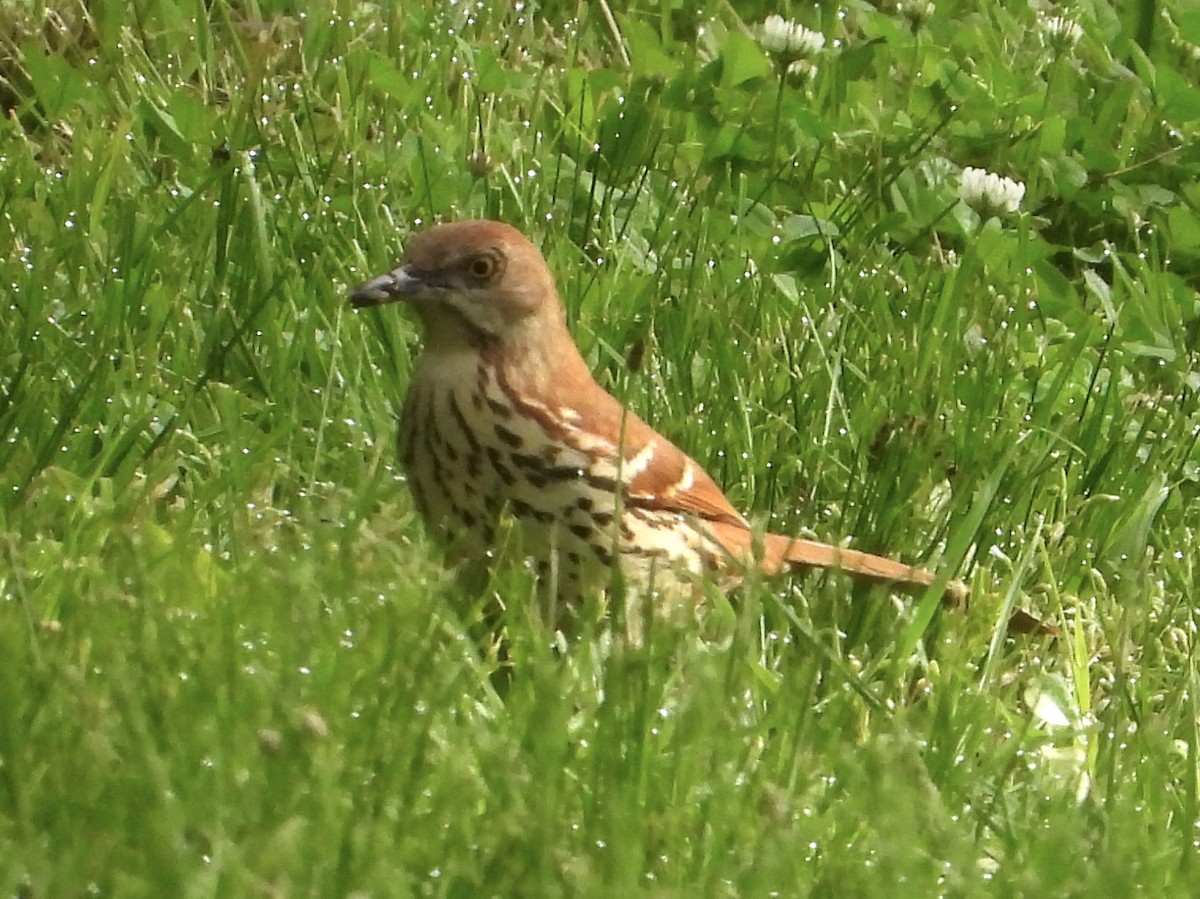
x=778, y=553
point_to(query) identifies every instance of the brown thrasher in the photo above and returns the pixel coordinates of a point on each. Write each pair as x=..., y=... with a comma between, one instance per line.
x=503, y=417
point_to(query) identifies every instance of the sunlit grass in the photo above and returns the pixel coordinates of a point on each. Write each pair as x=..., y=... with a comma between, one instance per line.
x=230, y=662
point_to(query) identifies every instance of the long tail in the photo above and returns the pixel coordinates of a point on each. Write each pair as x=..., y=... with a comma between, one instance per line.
x=779, y=553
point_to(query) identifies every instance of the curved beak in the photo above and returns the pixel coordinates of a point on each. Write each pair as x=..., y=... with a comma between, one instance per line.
x=399, y=284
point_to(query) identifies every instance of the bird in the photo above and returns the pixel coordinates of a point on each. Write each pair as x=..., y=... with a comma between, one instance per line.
x=504, y=424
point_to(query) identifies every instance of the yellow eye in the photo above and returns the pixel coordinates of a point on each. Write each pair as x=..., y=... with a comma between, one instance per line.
x=483, y=267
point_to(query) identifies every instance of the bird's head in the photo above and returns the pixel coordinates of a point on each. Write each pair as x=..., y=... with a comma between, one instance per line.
x=471, y=282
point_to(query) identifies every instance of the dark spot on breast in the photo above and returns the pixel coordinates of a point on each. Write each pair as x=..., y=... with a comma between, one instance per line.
x=528, y=462
x=603, y=484
x=439, y=475
x=513, y=440
x=540, y=474
x=463, y=425
x=499, y=409
x=497, y=460
x=657, y=553
x=523, y=509
x=431, y=433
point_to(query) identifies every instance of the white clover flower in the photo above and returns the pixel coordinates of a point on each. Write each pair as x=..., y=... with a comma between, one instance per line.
x=801, y=71
x=916, y=11
x=990, y=194
x=779, y=35
x=1060, y=31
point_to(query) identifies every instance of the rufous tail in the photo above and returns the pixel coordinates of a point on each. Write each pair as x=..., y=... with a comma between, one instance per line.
x=778, y=554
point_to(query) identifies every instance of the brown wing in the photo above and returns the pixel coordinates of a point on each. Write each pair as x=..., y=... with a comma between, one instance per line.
x=657, y=473
x=675, y=482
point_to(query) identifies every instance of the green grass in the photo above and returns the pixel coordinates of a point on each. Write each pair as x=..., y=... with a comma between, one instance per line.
x=230, y=662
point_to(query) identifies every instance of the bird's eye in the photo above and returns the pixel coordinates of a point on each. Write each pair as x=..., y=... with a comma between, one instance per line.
x=483, y=267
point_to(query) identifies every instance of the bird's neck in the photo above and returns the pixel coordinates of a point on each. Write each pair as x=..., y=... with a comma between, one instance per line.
x=537, y=360
x=541, y=359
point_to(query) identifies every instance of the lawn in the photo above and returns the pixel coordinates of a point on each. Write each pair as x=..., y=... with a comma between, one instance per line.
x=231, y=662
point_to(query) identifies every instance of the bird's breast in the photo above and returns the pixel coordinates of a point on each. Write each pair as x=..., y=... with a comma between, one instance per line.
x=476, y=451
